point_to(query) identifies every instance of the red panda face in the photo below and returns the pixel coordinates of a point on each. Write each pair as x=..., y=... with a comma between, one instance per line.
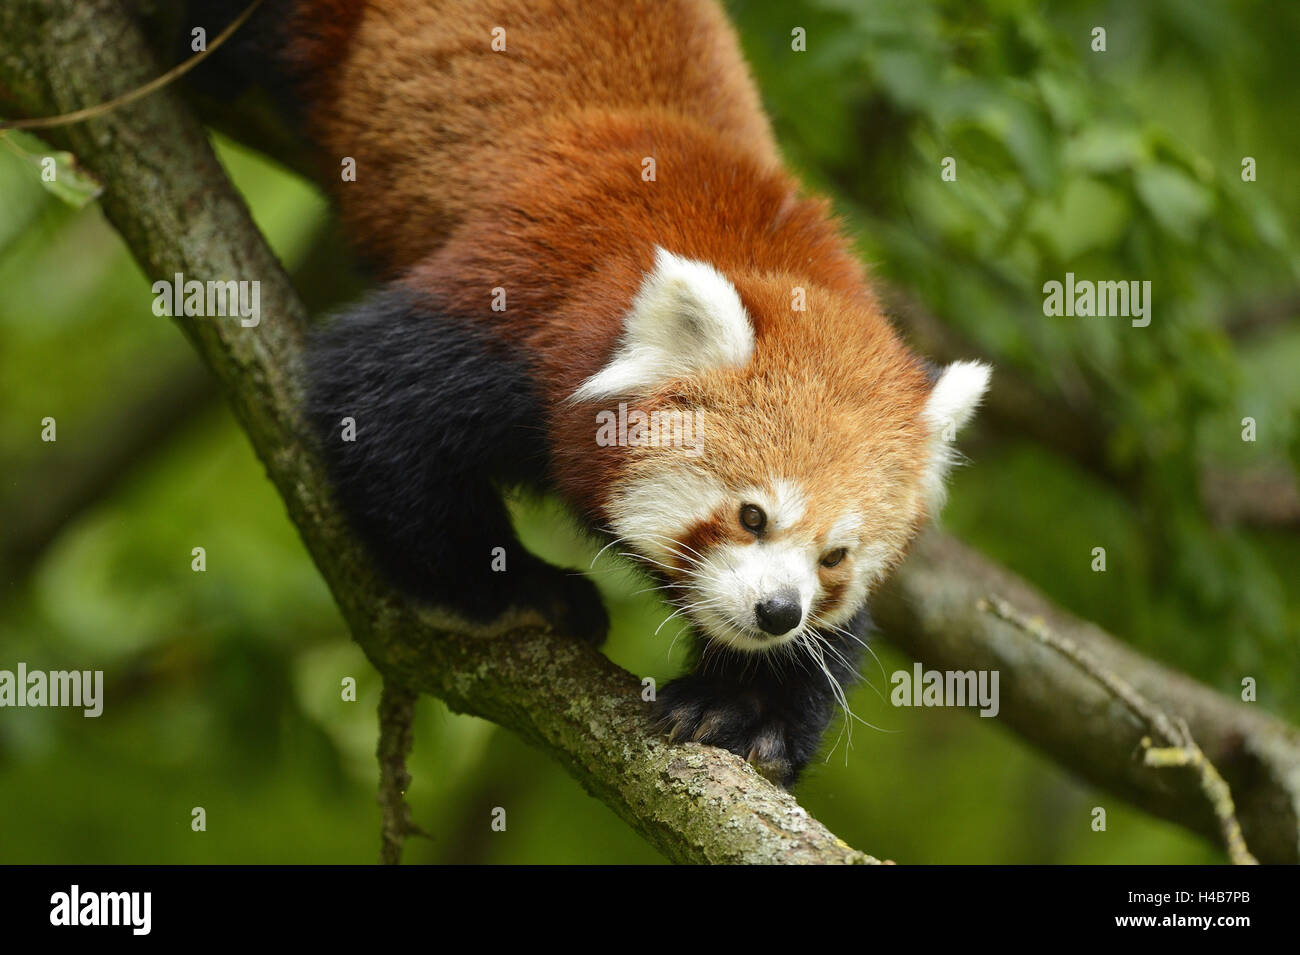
x=818, y=446
x=765, y=564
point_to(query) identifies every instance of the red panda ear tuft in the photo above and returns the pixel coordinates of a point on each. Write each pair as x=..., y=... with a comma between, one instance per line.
x=957, y=393
x=952, y=402
x=685, y=319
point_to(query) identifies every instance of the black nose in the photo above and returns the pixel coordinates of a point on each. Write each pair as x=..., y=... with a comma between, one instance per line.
x=779, y=613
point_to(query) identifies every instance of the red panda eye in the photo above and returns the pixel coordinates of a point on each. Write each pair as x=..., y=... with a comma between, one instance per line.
x=753, y=518
x=833, y=557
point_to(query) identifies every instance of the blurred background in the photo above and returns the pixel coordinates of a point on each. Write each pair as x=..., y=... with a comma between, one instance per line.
x=223, y=687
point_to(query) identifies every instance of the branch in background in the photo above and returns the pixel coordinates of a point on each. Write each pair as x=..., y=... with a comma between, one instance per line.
x=1257, y=319
x=1017, y=407
x=95, y=458
x=169, y=198
x=1182, y=749
x=92, y=459
x=1264, y=497
x=930, y=610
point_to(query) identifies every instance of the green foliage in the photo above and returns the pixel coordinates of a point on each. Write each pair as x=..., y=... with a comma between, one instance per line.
x=57, y=171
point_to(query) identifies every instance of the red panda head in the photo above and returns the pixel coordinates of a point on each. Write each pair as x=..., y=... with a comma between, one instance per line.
x=779, y=447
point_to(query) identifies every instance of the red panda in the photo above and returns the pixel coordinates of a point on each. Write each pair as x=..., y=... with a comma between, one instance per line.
x=581, y=214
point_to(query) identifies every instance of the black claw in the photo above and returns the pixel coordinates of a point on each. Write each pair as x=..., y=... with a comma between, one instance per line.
x=734, y=718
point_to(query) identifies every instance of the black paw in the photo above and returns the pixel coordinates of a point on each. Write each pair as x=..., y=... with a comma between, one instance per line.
x=735, y=718
x=566, y=599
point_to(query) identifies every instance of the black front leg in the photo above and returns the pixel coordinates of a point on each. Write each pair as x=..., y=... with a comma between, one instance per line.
x=772, y=709
x=422, y=419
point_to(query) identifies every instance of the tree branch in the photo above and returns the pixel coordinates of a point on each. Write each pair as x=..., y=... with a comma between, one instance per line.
x=169, y=198
x=1182, y=749
x=931, y=610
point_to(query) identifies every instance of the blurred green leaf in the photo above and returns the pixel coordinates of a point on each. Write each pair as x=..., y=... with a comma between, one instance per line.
x=57, y=172
x=1179, y=203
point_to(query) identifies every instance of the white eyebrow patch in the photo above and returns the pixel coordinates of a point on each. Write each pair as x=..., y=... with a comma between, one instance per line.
x=789, y=505
x=685, y=319
x=845, y=530
x=654, y=512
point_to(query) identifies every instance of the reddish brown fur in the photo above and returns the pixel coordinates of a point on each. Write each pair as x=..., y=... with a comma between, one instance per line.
x=721, y=527
x=827, y=393
x=523, y=170
x=831, y=596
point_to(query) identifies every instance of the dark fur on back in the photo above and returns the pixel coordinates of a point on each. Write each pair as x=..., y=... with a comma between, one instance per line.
x=252, y=57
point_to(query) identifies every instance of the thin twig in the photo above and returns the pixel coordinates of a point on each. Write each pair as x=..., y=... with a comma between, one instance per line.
x=1182, y=749
x=396, y=736
x=175, y=73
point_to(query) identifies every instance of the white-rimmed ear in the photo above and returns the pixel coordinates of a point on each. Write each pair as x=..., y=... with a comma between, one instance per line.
x=956, y=394
x=686, y=318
